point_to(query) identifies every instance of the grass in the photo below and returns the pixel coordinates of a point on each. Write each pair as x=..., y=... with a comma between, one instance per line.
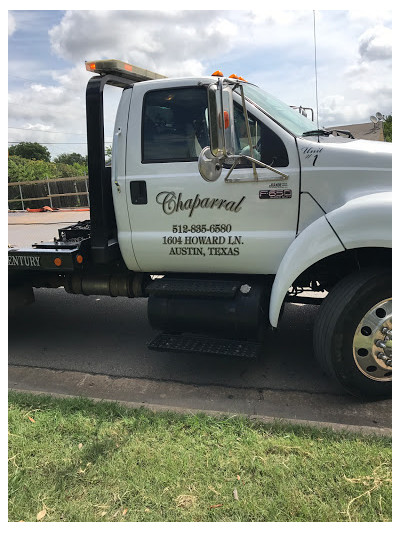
x=72, y=460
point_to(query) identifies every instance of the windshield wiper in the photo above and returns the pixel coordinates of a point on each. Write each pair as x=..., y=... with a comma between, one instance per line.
x=310, y=133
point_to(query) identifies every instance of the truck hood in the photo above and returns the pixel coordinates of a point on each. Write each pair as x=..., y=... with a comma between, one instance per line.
x=337, y=170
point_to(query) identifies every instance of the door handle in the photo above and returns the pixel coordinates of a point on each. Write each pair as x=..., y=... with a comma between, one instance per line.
x=114, y=168
x=138, y=192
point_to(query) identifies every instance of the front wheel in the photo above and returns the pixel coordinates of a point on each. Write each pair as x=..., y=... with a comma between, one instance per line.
x=353, y=334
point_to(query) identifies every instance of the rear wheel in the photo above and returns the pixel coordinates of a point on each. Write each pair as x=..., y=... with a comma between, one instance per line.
x=353, y=334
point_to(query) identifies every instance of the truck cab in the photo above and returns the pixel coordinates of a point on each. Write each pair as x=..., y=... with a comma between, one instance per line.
x=171, y=220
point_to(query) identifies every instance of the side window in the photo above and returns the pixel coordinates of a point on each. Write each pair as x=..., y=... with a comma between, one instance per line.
x=174, y=124
x=267, y=146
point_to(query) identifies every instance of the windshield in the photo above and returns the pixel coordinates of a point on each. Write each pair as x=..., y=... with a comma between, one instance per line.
x=290, y=119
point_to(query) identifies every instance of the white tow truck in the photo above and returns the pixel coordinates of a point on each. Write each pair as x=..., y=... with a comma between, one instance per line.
x=223, y=204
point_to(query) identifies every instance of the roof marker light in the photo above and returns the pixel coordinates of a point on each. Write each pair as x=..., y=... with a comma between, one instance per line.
x=217, y=73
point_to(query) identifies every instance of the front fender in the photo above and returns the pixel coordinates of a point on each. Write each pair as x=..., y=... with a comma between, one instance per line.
x=364, y=221
x=316, y=241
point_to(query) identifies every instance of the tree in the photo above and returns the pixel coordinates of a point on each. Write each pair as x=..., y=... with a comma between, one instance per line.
x=108, y=154
x=387, y=129
x=29, y=150
x=70, y=159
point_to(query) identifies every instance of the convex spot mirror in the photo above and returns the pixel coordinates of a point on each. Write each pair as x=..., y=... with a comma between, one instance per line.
x=210, y=167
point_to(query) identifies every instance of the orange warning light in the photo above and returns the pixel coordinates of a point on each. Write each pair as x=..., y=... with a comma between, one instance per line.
x=226, y=119
x=57, y=261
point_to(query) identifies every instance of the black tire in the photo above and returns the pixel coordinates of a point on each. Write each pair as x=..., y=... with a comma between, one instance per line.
x=335, y=327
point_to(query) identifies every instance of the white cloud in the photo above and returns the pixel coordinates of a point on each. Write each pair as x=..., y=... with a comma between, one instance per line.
x=175, y=43
x=376, y=44
x=11, y=24
x=273, y=49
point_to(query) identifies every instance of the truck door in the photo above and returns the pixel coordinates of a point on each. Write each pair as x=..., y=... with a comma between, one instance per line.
x=179, y=222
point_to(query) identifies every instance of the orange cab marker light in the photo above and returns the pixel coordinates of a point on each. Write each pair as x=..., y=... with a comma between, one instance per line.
x=242, y=79
x=90, y=66
x=128, y=67
x=79, y=259
x=217, y=73
x=234, y=76
x=226, y=119
x=57, y=261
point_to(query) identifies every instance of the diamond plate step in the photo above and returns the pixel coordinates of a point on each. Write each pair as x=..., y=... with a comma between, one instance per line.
x=185, y=343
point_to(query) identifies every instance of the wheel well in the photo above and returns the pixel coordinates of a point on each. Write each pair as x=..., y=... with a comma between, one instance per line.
x=324, y=274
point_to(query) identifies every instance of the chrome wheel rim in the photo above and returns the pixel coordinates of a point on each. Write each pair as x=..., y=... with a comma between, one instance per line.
x=372, y=342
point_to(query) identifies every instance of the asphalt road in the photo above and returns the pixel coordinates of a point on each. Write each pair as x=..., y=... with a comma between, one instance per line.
x=97, y=346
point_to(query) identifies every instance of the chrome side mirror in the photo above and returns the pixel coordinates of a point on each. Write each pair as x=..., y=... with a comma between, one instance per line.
x=222, y=147
x=220, y=108
x=221, y=128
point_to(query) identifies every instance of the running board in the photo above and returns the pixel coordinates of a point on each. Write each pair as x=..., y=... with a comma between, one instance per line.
x=196, y=344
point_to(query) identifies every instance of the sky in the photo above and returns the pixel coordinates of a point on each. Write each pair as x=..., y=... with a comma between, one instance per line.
x=273, y=49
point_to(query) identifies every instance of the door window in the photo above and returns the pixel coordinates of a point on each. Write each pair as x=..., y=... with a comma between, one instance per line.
x=267, y=145
x=174, y=124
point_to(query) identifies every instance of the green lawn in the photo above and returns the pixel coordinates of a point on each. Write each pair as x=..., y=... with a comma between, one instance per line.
x=74, y=460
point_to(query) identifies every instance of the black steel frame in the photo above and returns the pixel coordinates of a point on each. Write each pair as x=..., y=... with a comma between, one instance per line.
x=103, y=234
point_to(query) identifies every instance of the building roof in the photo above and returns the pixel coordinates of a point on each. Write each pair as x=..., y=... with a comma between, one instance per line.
x=366, y=131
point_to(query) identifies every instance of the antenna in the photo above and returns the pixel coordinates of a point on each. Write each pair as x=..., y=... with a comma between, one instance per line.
x=316, y=74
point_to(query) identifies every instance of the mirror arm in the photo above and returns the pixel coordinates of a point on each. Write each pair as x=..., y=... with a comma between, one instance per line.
x=254, y=162
x=246, y=119
x=236, y=161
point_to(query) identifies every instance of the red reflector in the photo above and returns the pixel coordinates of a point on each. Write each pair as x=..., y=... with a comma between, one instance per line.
x=57, y=261
x=92, y=66
x=79, y=259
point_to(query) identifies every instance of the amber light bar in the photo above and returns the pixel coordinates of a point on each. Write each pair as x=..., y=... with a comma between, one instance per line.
x=115, y=66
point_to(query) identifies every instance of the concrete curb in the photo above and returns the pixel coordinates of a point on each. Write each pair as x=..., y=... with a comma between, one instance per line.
x=364, y=430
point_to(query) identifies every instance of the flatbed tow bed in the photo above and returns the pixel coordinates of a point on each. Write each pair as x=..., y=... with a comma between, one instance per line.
x=64, y=254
